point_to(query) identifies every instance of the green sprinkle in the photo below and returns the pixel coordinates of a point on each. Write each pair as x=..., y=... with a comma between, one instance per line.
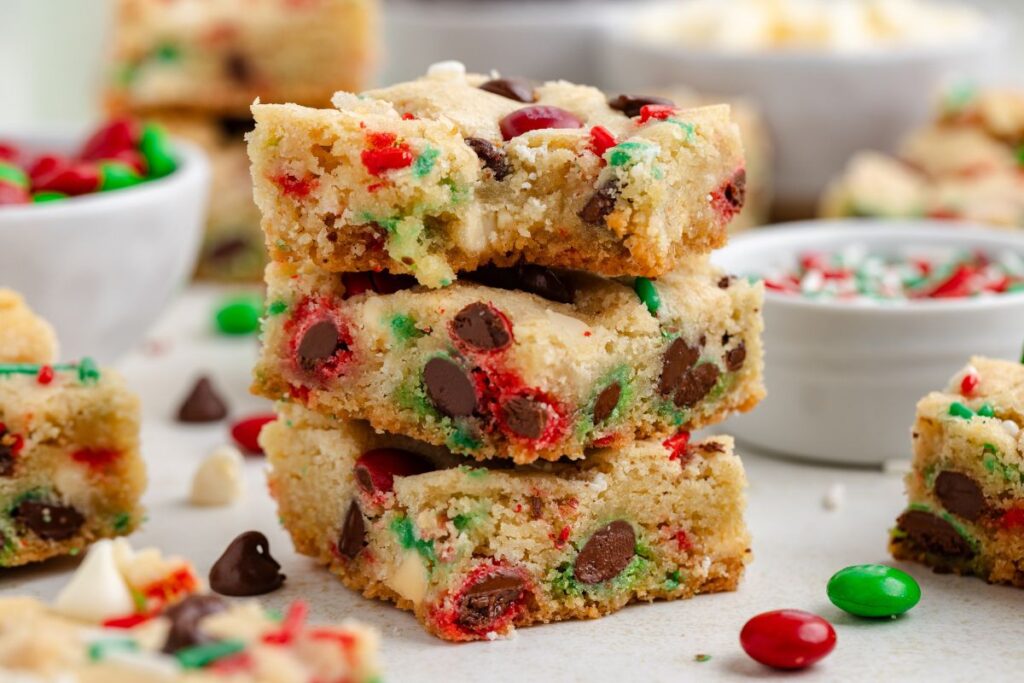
x=403, y=528
x=199, y=656
x=462, y=522
x=157, y=150
x=122, y=521
x=672, y=580
x=688, y=128
x=1020, y=155
x=239, y=316
x=957, y=409
x=48, y=196
x=425, y=162
x=115, y=175
x=74, y=552
x=12, y=174
x=139, y=600
x=99, y=649
x=702, y=658
x=986, y=410
x=167, y=52
x=627, y=152
x=277, y=307
x=403, y=327
x=88, y=373
x=648, y=293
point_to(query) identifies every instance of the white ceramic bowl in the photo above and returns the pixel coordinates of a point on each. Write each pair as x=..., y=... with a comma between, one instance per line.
x=103, y=267
x=821, y=107
x=843, y=378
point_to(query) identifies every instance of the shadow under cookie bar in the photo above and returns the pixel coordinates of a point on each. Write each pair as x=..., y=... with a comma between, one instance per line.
x=70, y=469
x=534, y=364
x=966, y=488
x=476, y=551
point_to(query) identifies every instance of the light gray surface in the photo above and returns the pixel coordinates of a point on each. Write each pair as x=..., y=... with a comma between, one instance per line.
x=963, y=630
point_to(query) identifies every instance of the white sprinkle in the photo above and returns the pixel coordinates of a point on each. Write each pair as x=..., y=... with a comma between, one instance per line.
x=449, y=70
x=834, y=497
x=896, y=466
x=1011, y=427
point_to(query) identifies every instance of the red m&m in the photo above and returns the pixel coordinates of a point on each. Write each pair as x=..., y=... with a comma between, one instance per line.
x=788, y=638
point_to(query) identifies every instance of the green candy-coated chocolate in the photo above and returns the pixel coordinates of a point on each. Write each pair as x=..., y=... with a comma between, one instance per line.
x=48, y=196
x=199, y=656
x=157, y=150
x=115, y=175
x=873, y=590
x=239, y=316
x=648, y=293
x=14, y=175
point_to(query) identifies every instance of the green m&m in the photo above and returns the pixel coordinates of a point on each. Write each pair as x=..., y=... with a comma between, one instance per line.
x=239, y=315
x=873, y=590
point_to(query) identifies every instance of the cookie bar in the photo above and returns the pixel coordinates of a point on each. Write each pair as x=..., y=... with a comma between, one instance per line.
x=453, y=171
x=70, y=469
x=475, y=552
x=217, y=56
x=188, y=637
x=535, y=364
x=24, y=336
x=966, y=489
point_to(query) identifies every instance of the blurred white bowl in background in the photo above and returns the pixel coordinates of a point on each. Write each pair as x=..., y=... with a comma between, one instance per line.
x=843, y=379
x=103, y=267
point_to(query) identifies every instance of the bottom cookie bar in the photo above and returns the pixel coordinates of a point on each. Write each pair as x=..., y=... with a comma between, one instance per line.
x=966, y=488
x=475, y=551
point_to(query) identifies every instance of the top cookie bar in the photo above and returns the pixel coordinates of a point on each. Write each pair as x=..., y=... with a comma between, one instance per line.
x=453, y=171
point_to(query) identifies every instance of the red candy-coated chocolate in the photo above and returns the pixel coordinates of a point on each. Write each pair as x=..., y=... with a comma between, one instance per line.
x=73, y=179
x=9, y=152
x=356, y=284
x=969, y=383
x=1012, y=519
x=376, y=470
x=246, y=433
x=309, y=313
x=109, y=141
x=788, y=638
x=536, y=118
x=12, y=194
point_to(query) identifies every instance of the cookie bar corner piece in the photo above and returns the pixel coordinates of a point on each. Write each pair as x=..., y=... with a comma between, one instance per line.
x=966, y=487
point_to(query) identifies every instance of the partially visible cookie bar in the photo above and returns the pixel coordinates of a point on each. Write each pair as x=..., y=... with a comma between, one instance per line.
x=534, y=364
x=966, y=489
x=24, y=336
x=70, y=469
x=475, y=552
x=453, y=171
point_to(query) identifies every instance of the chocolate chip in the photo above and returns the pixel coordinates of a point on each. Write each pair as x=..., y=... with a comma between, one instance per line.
x=48, y=521
x=724, y=282
x=960, y=494
x=492, y=156
x=695, y=384
x=679, y=358
x=185, y=617
x=246, y=567
x=600, y=204
x=481, y=327
x=449, y=388
x=489, y=599
x=606, y=402
x=238, y=67
x=609, y=551
x=735, y=191
x=321, y=341
x=7, y=460
x=353, y=532
x=525, y=417
x=203, y=404
x=536, y=506
x=933, y=534
x=526, y=277
x=518, y=89
x=630, y=105
x=735, y=356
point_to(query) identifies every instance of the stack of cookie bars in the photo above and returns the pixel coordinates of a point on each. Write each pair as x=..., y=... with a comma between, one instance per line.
x=195, y=67
x=491, y=327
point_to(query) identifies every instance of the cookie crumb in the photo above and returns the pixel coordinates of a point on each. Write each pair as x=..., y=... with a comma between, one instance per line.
x=834, y=497
x=702, y=658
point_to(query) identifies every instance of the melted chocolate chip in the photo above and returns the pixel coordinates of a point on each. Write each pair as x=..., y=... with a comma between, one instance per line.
x=679, y=358
x=449, y=388
x=353, y=532
x=960, y=494
x=481, y=327
x=246, y=567
x=185, y=617
x=48, y=521
x=319, y=343
x=526, y=277
x=203, y=404
x=525, y=417
x=606, y=402
x=518, y=89
x=724, y=282
x=609, y=551
x=489, y=599
x=735, y=357
x=492, y=156
x=736, y=191
x=600, y=204
x=695, y=384
x=630, y=105
x=933, y=534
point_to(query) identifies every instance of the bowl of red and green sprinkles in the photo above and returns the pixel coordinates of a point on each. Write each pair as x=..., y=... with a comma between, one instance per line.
x=100, y=230
x=863, y=318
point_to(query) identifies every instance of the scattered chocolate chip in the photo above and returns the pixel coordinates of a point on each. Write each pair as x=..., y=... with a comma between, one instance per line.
x=203, y=404
x=525, y=416
x=238, y=67
x=481, y=327
x=735, y=357
x=489, y=599
x=321, y=341
x=185, y=617
x=449, y=388
x=695, y=384
x=518, y=89
x=679, y=358
x=609, y=551
x=492, y=156
x=526, y=277
x=960, y=494
x=725, y=282
x=735, y=191
x=536, y=506
x=246, y=567
x=606, y=402
x=630, y=105
x=353, y=532
x=933, y=534
x=48, y=521
x=600, y=204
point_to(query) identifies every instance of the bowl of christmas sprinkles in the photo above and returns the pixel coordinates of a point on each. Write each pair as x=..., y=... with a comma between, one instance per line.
x=99, y=232
x=862, y=318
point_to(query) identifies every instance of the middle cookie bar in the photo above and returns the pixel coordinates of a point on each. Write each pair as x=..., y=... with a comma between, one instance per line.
x=536, y=364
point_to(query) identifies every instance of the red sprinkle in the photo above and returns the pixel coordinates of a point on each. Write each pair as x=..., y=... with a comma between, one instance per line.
x=45, y=375
x=601, y=140
x=291, y=625
x=677, y=445
x=969, y=383
x=295, y=187
x=1012, y=519
x=240, y=662
x=656, y=111
x=683, y=540
x=563, y=537
x=246, y=433
x=95, y=457
x=788, y=638
x=129, y=621
x=385, y=153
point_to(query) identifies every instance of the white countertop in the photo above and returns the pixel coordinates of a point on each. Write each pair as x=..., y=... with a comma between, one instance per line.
x=963, y=629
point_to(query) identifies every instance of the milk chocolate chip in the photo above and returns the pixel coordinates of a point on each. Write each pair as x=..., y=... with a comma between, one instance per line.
x=526, y=277
x=321, y=341
x=735, y=356
x=933, y=534
x=600, y=204
x=492, y=156
x=489, y=599
x=679, y=358
x=695, y=384
x=185, y=617
x=960, y=494
x=48, y=521
x=449, y=388
x=481, y=327
x=606, y=402
x=246, y=567
x=609, y=551
x=518, y=89
x=630, y=105
x=353, y=532
x=525, y=417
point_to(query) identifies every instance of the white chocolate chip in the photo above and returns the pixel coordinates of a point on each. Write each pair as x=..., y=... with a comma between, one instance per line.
x=218, y=480
x=1012, y=428
x=97, y=590
x=450, y=70
x=834, y=497
x=410, y=578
